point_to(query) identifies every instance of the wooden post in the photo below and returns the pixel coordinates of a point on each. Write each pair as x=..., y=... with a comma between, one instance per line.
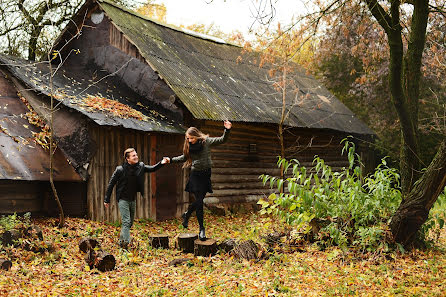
x=205, y=248
x=153, y=178
x=185, y=242
x=159, y=241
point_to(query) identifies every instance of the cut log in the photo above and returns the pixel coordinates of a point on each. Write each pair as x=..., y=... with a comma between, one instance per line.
x=105, y=261
x=101, y=260
x=205, y=248
x=88, y=243
x=178, y=261
x=33, y=232
x=159, y=241
x=5, y=264
x=186, y=242
x=9, y=237
x=227, y=245
x=248, y=250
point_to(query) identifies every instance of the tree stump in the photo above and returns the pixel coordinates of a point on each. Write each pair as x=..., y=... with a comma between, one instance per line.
x=8, y=237
x=205, y=248
x=185, y=242
x=159, y=241
x=247, y=250
x=5, y=264
x=88, y=243
x=227, y=245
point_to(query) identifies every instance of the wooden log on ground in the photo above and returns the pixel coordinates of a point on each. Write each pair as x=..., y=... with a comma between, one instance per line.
x=159, y=241
x=248, y=250
x=10, y=236
x=33, y=232
x=227, y=245
x=105, y=261
x=5, y=264
x=205, y=248
x=185, y=242
x=178, y=261
x=101, y=260
x=85, y=244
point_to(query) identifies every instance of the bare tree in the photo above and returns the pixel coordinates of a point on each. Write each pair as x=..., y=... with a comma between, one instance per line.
x=28, y=27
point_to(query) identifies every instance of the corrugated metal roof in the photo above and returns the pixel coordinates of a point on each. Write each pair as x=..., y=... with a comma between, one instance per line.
x=213, y=85
x=73, y=87
x=20, y=157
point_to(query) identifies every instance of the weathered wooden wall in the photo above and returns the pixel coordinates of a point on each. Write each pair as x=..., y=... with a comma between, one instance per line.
x=20, y=196
x=111, y=143
x=237, y=167
x=36, y=197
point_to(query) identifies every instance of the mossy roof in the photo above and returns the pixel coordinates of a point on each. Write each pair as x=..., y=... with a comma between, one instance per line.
x=213, y=83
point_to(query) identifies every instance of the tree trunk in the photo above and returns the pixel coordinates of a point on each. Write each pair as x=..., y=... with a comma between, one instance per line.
x=414, y=210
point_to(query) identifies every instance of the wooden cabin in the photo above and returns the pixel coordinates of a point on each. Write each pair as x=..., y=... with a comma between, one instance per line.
x=171, y=79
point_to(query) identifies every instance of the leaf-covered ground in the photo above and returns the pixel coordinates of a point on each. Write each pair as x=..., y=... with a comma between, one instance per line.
x=142, y=271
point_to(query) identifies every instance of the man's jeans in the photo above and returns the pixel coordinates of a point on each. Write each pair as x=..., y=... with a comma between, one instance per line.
x=127, y=210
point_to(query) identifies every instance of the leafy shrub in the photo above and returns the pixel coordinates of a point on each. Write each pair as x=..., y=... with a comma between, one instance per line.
x=342, y=208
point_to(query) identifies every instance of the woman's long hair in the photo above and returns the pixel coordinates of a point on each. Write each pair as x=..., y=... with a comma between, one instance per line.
x=192, y=131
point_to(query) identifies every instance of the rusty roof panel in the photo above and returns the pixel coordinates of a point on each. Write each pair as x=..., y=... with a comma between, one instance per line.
x=72, y=87
x=213, y=84
x=20, y=157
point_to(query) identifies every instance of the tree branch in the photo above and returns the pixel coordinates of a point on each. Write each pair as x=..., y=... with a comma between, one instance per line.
x=380, y=15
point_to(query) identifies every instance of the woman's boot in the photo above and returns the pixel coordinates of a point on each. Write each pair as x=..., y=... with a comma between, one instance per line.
x=202, y=234
x=185, y=217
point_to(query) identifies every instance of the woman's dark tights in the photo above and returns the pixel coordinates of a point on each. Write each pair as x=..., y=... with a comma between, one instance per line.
x=197, y=205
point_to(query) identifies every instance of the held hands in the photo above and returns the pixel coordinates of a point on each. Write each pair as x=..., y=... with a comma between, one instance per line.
x=227, y=124
x=106, y=204
x=165, y=160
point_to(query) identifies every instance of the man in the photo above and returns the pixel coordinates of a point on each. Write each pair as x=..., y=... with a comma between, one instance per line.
x=129, y=178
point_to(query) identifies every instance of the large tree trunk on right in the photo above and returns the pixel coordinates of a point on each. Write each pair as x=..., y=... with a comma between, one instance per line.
x=414, y=210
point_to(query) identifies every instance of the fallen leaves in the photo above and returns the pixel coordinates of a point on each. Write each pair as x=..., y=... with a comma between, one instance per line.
x=144, y=271
x=113, y=107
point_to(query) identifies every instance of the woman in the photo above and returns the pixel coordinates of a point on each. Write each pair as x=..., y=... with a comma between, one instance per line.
x=197, y=156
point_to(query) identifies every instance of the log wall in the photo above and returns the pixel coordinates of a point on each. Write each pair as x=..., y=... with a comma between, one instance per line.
x=252, y=150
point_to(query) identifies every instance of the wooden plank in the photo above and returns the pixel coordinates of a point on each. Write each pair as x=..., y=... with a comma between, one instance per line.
x=237, y=192
x=153, y=177
x=245, y=185
x=234, y=178
x=236, y=171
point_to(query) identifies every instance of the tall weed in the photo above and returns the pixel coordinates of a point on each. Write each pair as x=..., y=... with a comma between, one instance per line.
x=342, y=208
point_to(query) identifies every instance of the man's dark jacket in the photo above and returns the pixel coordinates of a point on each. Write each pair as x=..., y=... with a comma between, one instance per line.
x=119, y=177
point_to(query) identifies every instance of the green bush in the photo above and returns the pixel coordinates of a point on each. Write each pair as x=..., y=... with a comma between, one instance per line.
x=345, y=207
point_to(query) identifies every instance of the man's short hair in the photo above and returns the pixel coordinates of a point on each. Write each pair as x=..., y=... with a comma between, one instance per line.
x=127, y=152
